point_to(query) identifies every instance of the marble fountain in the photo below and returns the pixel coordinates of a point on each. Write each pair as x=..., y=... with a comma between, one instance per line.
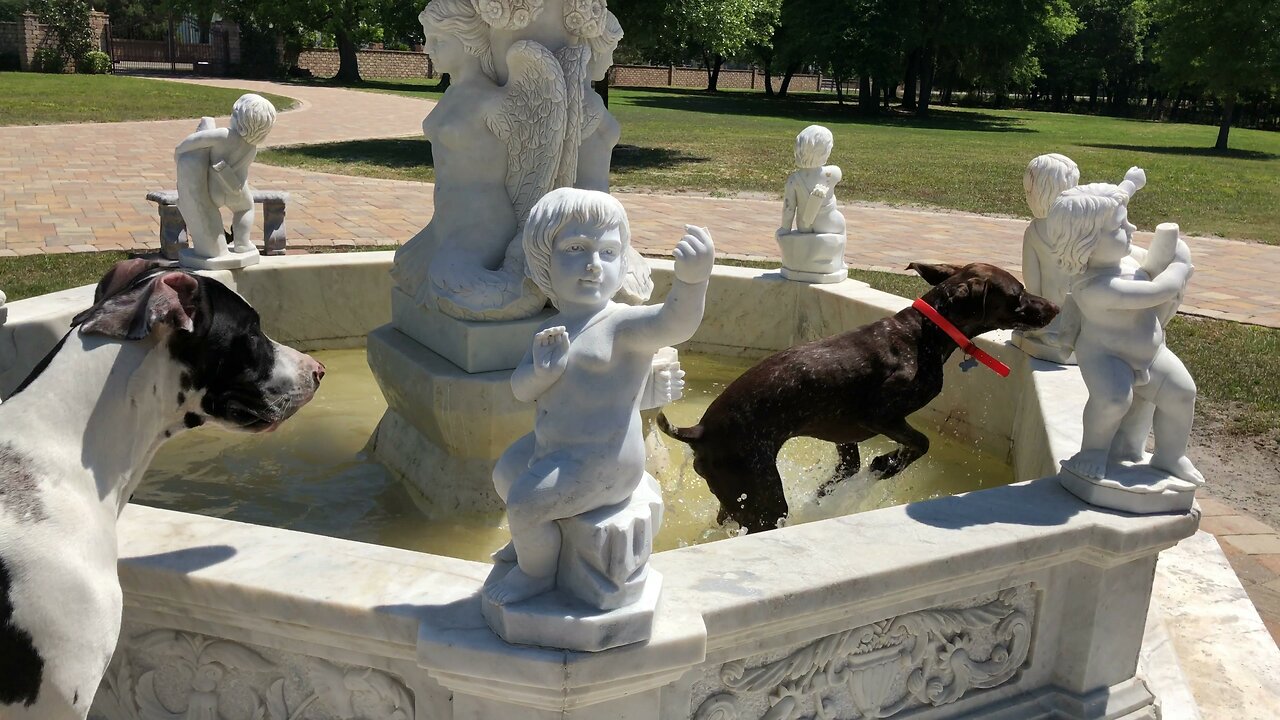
x=1014, y=601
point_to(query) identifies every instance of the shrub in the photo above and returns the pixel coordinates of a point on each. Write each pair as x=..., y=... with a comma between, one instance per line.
x=49, y=60
x=10, y=61
x=95, y=63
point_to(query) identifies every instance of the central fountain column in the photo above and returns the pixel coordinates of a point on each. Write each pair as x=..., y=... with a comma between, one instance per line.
x=518, y=120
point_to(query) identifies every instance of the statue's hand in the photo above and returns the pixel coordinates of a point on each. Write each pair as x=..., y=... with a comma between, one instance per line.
x=694, y=255
x=820, y=190
x=551, y=351
x=1137, y=176
x=1182, y=252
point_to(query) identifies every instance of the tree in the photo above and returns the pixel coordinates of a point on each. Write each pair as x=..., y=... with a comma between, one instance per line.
x=725, y=28
x=67, y=23
x=1226, y=47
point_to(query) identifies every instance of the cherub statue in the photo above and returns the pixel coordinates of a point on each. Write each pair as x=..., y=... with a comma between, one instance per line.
x=812, y=234
x=1121, y=342
x=213, y=172
x=586, y=371
x=1046, y=177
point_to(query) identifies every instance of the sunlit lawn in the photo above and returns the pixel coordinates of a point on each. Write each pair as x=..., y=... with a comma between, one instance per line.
x=961, y=159
x=42, y=99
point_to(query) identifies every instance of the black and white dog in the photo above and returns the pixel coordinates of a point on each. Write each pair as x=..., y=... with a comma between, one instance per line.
x=160, y=351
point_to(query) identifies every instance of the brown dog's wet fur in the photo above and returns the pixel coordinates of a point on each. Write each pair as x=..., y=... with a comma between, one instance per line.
x=845, y=389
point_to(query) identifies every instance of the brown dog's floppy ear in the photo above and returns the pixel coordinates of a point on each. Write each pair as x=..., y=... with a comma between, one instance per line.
x=934, y=274
x=129, y=311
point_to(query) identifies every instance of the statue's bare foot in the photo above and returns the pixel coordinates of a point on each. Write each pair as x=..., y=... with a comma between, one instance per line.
x=1087, y=463
x=507, y=553
x=517, y=586
x=1180, y=468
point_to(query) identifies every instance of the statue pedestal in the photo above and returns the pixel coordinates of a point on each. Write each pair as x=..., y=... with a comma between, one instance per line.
x=1135, y=488
x=444, y=428
x=189, y=258
x=606, y=594
x=475, y=347
x=813, y=257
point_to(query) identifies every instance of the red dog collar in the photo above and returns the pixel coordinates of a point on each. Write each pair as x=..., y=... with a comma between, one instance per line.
x=965, y=343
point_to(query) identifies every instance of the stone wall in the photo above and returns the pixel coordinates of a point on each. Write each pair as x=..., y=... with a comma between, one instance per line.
x=373, y=63
x=27, y=35
x=696, y=77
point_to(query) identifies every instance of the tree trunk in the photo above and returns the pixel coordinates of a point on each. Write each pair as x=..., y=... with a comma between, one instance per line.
x=768, y=78
x=909, y=82
x=1228, y=109
x=713, y=73
x=444, y=82
x=348, y=62
x=839, y=90
x=786, y=80
x=602, y=86
x=926, y=82
x=866, y=97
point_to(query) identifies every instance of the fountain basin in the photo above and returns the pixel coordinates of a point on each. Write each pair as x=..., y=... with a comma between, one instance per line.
x=1018, y=601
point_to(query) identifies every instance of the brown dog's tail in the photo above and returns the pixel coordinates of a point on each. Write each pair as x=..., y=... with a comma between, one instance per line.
x=689, y=435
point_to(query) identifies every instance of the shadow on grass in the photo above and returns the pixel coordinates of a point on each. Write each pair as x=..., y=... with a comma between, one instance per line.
x=411, y=153
x=1189, y=151
x=631, y=157
x=424, y=86
x=700, y=101
x=384, y=152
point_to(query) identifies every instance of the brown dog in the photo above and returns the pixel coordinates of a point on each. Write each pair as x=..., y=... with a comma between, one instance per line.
x=845, y=389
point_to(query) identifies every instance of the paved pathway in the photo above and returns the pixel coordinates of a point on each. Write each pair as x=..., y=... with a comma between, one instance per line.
x=80, y=188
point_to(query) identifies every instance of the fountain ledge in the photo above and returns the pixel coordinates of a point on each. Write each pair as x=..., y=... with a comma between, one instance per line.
x=301, y=610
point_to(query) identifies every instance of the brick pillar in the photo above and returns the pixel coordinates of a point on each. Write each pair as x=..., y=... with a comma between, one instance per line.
x=28, y=40
x=224, y=35
x=98, y=22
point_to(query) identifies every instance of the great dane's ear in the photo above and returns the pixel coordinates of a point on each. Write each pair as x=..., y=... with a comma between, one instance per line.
x=130, y=310
x=934, y=274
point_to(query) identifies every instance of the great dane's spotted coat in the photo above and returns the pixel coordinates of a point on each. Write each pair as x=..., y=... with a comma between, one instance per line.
x=160, y=352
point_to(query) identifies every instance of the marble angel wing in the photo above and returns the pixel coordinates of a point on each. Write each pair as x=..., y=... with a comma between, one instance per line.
x=531, y=123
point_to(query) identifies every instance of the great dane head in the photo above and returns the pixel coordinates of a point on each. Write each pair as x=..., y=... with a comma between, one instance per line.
x=232, y=374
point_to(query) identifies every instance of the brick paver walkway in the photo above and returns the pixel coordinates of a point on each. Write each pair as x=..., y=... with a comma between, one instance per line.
x=82, y=188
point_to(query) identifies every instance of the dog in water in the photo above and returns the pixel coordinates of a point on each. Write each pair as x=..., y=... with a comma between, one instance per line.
x=845, y=389
x=160, y=352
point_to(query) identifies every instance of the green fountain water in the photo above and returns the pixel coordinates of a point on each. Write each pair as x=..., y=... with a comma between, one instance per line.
x=312, y=475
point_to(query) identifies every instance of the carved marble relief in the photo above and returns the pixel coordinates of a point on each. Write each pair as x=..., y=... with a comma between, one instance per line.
x=175, y=675
x=925, y=658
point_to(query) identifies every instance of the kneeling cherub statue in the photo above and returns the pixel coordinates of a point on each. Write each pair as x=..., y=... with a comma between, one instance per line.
x=587, y=372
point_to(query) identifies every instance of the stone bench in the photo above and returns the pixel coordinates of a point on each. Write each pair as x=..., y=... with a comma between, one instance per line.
x=172, y=226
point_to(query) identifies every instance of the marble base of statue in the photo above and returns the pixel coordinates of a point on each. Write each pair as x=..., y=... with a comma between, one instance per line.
x=1132, y=487
x=813, y=257
x=189, y=258
x=606, y=594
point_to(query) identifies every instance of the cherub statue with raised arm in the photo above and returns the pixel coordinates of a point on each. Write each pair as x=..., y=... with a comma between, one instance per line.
x=213, y=172
x=1121, y=342
x=585, y=371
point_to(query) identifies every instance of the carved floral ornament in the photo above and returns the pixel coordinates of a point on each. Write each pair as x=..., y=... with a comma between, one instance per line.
x=924, y=658
x=185, y=676
x=582, y=18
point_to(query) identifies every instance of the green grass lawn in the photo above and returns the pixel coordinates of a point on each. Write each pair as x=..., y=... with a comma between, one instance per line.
x=1235, y=365
x=961, y=159
x=41, y=99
